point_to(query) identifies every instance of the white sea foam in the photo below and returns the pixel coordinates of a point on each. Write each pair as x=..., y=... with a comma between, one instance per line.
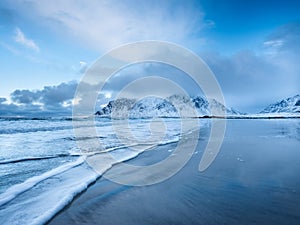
x=45, y=195
x=33, y=158
x=17, y=189
x=41, y=202
x=39, y=198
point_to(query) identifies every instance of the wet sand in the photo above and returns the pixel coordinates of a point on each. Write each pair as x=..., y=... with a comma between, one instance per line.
x=254, y=180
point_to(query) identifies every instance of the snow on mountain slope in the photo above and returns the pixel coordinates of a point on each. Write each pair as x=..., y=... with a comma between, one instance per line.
x=173, y=106
x=288, y=105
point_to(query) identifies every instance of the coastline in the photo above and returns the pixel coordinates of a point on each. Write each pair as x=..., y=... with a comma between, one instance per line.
x=232, y=190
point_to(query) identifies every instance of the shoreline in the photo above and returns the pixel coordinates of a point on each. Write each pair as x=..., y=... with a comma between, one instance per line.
x=223, y=194
x=105, y=188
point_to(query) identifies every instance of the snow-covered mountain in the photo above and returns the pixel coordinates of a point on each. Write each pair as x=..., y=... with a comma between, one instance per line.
x=180, y=106
x=288, y=105
x=173, y=106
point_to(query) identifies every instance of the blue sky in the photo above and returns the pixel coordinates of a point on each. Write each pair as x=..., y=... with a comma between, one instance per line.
x=253, y=47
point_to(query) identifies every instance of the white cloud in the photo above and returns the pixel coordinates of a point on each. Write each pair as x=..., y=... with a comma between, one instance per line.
x=106, y=24
x=250, y=81
x=273, y=43
x=83, y=66
x=82, y=63
x=271, y=47
x=23, y=40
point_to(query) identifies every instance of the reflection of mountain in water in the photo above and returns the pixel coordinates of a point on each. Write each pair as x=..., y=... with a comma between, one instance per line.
x=292, y=131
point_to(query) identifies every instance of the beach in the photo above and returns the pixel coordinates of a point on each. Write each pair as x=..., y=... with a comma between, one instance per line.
x=253, y=180
x=149, y=112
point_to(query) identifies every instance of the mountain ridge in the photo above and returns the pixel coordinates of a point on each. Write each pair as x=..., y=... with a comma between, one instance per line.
x=287, y=105
x=158, y=107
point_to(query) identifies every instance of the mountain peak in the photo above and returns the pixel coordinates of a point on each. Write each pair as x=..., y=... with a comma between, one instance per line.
x=288, y=105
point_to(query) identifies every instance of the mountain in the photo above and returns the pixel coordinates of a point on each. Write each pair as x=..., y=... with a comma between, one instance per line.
x=288, y=105
x=157, y=107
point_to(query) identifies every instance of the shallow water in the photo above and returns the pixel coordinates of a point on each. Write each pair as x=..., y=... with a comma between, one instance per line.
x=41, y=168
x=253, y=180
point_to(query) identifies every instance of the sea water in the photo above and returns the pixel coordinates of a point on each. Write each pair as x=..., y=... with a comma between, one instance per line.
x=43, y=167
x=42, y=160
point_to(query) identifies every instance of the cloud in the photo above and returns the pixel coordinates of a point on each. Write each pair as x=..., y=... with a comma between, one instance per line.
x=106, y=24
x=83, y=67
x=23, y=40
x=272, y=46
x=284, y=41
x=273, y=43
x=24, y=96
x=288, y=35
x=8, y=109
x=286, y=55
x=251, y=80
x=55, y=100
x=146, y=70
x=51, y=100
x=247, y=79
x=57, y=95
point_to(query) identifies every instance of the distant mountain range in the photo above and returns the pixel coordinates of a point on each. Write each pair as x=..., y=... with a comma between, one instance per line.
x=185, y=107
x=288, y=105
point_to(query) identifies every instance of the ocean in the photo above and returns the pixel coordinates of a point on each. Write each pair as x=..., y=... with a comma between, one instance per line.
x=42, y=161
x=43, y=164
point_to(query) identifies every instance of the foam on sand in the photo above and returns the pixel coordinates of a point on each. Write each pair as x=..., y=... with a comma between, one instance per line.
x=17, y=189
x=39, y=198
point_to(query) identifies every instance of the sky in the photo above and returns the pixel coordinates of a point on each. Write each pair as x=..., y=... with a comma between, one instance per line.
x=252, y=47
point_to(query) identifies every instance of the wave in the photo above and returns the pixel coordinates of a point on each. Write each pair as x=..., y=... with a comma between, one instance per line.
x=18, y=118
x=83, y=138
x=44, y=128
x=39, y=198
x=36, y=158
x=58, y=118
x=38, y=129
x=27, y=130
x=17, y=189
x=171, y=141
